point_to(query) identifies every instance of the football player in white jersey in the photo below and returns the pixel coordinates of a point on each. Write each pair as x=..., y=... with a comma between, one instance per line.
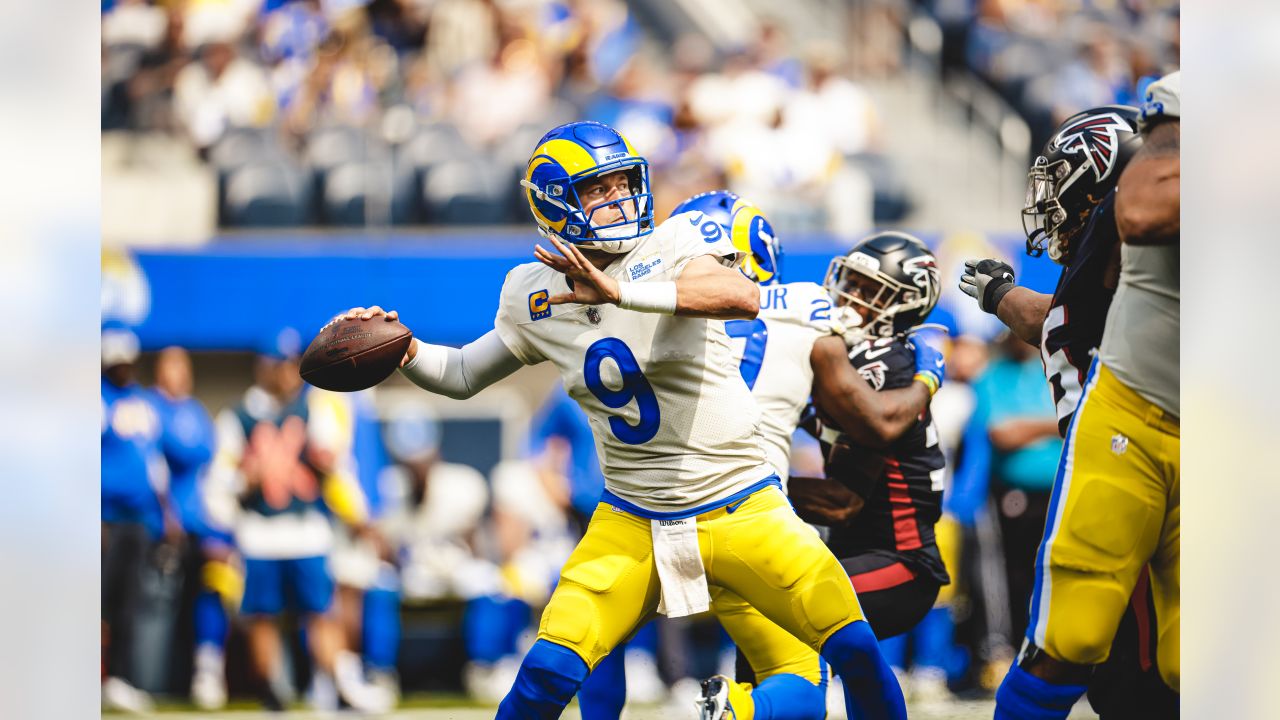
x=791, y=350
x=631, y=315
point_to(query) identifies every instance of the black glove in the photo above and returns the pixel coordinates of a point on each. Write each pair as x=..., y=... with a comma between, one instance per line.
x=988, y=281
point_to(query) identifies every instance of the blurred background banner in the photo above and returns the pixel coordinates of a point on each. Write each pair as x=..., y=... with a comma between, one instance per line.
x=232, y=292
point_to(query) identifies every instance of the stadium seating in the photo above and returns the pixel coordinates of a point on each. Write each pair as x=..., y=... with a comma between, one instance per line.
x=266, y=194
x=346, y=166
x=466, y=191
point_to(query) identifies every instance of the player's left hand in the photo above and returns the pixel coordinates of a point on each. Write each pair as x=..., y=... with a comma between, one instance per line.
x=927, y=342
x=988, y=281
x=590, y=286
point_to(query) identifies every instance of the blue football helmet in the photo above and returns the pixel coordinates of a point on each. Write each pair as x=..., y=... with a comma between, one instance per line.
x=749, y=229
x=566, y=157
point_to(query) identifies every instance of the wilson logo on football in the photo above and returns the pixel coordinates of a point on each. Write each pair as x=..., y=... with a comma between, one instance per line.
x=1096, y=137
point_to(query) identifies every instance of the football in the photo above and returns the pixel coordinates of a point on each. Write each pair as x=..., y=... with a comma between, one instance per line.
x=350, y=355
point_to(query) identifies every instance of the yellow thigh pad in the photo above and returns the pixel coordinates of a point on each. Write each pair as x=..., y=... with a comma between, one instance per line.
x=607, y=587
x=1116, y=498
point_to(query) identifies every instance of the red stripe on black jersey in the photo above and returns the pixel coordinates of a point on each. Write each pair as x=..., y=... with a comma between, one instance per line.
x=889, y=576
x=906, y=535
x=901, y=506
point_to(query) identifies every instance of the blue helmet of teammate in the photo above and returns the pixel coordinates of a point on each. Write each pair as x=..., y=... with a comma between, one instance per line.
x=749, y=229
x=566, y=160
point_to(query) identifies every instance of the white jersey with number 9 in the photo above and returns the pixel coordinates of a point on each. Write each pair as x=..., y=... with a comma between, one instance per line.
x=675, y=426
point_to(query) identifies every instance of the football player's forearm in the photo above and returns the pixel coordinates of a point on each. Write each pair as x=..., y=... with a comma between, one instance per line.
x=871, y=418
x=1023, y=311
x=710, y=290
x=1148, y=210
x=460, y=373
x=708, y=296
x=1148, y=195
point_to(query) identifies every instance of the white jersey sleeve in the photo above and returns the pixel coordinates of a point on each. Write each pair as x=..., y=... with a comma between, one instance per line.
x=693, y=235
x=774, y=352
x=516, y=308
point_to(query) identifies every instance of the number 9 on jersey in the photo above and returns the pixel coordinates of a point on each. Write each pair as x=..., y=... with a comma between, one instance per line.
x=634, y=387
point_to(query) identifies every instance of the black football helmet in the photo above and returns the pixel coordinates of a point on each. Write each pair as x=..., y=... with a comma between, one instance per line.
x=1079, y=166
x=890, y=274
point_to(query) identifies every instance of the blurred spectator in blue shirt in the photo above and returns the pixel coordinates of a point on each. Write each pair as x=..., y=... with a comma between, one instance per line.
x=187, y=439
x=188, y=446
x=1015, y=407
x=134, y=508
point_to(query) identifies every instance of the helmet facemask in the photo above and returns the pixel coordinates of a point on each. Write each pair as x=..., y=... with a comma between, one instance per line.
x=855, y=281
x=1047, y=224
x=631, y=207
x=588, y=230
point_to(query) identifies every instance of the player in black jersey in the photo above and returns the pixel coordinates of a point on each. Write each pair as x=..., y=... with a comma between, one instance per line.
x=881, y=503
x=1070, y=212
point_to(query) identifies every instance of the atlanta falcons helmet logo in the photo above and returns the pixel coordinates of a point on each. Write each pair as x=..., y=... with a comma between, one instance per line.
x=1095, y=137
x=923, y=271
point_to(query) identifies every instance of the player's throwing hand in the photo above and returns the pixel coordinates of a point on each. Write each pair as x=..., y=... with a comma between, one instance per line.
x=387, y=315
x=589, y=285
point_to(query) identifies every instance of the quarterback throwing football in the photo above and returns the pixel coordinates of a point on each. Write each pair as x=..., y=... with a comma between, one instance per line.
x=632, y=317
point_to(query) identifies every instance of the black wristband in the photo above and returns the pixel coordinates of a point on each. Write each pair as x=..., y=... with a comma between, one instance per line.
x=998, y=294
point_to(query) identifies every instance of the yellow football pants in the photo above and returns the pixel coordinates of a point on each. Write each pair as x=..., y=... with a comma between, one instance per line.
x=774, y=651
x=1115, y=507
x=770, y=649
x=949, y=537
x=761, y=554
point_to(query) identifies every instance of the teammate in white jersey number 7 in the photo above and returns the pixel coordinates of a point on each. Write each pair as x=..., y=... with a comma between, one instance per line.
x=791, y=351
x=631, y=315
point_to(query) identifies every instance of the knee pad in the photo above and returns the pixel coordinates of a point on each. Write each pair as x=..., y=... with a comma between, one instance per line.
x=548, y=679
x=228, y=582
x=1083, y=640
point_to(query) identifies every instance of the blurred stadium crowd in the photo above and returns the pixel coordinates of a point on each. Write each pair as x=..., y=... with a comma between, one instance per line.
x=316, y=112
x=349, y=112
x=427, y=574
x=1050, y=59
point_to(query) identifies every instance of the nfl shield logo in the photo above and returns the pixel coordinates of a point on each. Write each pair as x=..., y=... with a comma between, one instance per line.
x=1119, y=444
x=593, y=315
